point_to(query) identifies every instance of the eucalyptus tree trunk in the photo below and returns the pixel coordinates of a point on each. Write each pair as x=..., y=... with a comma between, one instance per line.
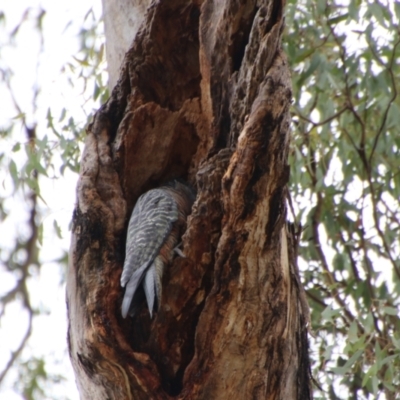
x=203, y=94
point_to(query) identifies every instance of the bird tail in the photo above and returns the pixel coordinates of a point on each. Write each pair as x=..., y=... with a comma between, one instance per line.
x=152, y=284
x=131, y=288
x=148, y=286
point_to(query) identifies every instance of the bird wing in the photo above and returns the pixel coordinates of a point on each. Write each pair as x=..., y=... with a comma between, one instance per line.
x=150, y=224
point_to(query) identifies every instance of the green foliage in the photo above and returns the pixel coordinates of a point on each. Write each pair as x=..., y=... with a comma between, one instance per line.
x=33, y=376
x=346, y=184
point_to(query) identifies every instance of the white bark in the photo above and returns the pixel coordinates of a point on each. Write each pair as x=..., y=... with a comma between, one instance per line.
x=122, y=20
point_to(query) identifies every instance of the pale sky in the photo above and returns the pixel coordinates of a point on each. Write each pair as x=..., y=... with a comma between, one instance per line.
x=31, y=68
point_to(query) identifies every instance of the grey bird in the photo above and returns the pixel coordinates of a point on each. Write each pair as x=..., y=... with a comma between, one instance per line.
x=156, y=224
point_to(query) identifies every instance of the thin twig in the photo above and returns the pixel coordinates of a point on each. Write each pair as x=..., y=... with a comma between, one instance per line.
x=393, y=98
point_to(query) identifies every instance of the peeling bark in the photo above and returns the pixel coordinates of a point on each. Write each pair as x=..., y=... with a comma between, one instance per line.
x=203, y=94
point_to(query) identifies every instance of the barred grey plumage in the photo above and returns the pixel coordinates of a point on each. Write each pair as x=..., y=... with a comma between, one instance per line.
x=156, y=224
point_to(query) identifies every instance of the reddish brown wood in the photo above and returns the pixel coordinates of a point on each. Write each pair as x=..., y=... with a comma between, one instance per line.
x=204, y=94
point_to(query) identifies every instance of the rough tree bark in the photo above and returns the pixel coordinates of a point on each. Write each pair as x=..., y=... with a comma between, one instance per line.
x=203, y=94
